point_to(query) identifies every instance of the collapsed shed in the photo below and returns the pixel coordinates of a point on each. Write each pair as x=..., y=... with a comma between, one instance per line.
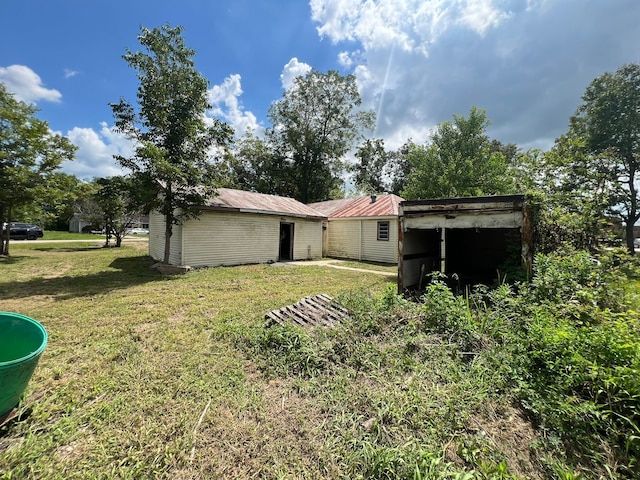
x=473, y=239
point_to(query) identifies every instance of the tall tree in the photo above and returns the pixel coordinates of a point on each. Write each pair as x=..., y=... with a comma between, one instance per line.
x=174, y=140
x=459, y=160
x=569, y=211
x=120, y=200
x=315, y=124
x=56, y=201
x=257, y=167
x=369, y=169
x=29, y=154
x=608, y=125
x=398, y=168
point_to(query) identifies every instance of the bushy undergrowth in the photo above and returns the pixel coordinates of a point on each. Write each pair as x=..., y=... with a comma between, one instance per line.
x=579, y=355
x=404, y=381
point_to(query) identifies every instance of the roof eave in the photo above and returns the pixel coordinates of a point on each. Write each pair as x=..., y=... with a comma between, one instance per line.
x=217, y=208
x=376, y=217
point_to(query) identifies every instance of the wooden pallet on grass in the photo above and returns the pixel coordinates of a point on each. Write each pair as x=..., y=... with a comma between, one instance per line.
x=312, y=311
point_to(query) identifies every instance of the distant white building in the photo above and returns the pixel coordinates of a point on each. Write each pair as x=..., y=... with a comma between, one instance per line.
x=77, y=223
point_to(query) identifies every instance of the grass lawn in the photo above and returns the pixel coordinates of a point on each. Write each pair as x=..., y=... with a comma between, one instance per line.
x=91, y=237
x=149, y=376
x=145, y=376
x=54, y=235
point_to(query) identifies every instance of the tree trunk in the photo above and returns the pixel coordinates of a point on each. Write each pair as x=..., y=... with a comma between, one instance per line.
x=632, y=216
x=168, y=231
x=107, y=232
x=7, y=234
x=629, y=237
x=4, y=250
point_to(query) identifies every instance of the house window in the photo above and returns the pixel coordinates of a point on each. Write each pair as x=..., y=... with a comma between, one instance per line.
x=383, y=231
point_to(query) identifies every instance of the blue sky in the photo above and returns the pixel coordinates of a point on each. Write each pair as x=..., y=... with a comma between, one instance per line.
x=418, y=62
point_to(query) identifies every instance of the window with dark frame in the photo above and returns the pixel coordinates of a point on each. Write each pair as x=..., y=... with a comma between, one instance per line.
x=383, y=231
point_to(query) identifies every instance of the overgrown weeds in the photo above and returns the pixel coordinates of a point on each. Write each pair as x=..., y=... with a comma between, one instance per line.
x=410, y=380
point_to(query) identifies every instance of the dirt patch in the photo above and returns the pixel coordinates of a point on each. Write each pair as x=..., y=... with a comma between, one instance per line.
x=70, y=452
x=35, y=302
x=274, y=431
x=60, y=271
x=177, y=317
x=506, y=434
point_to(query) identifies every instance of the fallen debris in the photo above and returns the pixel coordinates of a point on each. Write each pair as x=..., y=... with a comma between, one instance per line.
x=309, y=312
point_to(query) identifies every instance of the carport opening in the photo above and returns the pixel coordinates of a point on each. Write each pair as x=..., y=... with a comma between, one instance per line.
x=471, y=256
x=421, y=256
x=483, y=255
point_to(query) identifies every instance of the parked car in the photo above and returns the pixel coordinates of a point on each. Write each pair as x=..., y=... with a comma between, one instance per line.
x=23, y=231
x=138, y=231
x=636, y=242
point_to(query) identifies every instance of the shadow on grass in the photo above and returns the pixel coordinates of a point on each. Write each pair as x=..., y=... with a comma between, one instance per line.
x=129, y=271
x=11, y=260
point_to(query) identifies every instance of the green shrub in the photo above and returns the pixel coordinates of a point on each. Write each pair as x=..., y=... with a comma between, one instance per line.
x=566, y=346
x=286, y=349
x=449, y=314
x=578, y=356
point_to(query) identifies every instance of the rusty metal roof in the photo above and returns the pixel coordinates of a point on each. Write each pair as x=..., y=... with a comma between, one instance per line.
x=369, y=206
x=228, y=199
x=330, y=206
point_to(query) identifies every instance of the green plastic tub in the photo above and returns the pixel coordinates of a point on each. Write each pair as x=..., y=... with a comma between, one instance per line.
x=22, y=340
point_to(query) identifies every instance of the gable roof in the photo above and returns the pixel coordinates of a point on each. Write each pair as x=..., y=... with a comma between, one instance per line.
x=228, y=199
x=370, y=206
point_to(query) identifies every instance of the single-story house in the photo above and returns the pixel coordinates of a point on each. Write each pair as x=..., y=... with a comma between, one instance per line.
x=472, y=239
x=362, y=228
x=238, y=227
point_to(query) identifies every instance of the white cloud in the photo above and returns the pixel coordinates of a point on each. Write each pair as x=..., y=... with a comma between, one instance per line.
x=526, y=62
x=338, y=17
x=68, y=73
x=226, y=106
x=291, y=70
x=344, y=59
x=26, y=85
x=412, y=25
x=94, y=157
x=481, y=15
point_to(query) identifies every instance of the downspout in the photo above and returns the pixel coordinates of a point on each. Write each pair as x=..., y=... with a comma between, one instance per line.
x=360, y=244
x=400, y=253
x=182, y=235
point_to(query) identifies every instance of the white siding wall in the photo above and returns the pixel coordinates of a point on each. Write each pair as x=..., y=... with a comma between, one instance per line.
x=156, y=240
x=307, y=239
x=375, y=250
x=219, y=238
x=231, y=239
x=344, y=240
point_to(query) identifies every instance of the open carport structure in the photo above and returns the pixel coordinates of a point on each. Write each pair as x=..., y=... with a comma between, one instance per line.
x=473, y=239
